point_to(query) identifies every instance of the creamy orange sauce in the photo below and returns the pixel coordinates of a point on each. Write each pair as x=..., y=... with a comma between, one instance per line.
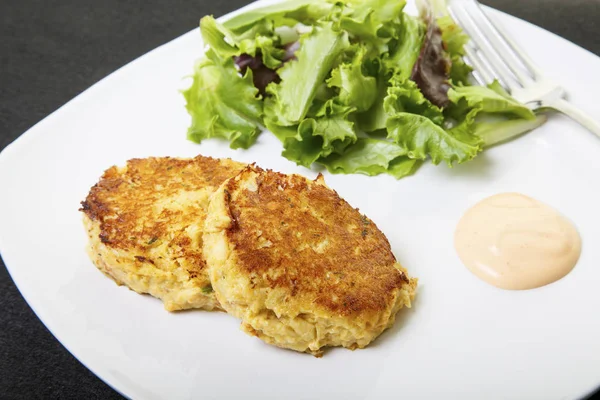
x=515, y=242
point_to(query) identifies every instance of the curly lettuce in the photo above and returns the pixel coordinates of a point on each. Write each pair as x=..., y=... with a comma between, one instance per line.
x=357, y=86
x=223, y=104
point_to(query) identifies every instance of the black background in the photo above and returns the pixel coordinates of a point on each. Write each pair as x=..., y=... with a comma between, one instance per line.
x=52, y=50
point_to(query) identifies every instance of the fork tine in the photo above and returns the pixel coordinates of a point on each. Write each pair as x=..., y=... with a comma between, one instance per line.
x=508, y=54
x=484, y=47
x=481, y=72
x=521, y=55
x=478, y=78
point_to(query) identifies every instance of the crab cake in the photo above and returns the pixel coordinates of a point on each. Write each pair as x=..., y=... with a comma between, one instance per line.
x=145, y=222
x=298, y=265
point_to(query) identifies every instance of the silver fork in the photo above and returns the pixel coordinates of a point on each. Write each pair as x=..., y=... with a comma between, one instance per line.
x=494, y=55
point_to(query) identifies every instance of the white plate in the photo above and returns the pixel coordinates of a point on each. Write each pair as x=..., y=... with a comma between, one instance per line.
x=463, y=338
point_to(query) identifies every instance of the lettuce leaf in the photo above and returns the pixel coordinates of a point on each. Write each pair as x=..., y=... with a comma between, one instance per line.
x=258, y=40
x=421, y=138
x=415, y=125
x=375, y=21
x=218, y=38
x=337, y=86
x=223, y=104
x=398, y=63
x=431, y=71
x=405, y=96
x=303, y=148
x=492, y=99
x=355, y=88
x=455, y=39
x=287, y=13
x=318, y=138
x=405, y=52
x=329, y=131
x=375, y=117
x=301, y=79
x=371, y=157
x=493, y=129
x=271, y=54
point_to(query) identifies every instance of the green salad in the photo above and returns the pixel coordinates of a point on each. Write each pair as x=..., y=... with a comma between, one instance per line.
x=357, y=86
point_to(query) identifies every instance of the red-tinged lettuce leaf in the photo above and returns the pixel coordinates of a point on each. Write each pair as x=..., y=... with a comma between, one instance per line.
x=262, y=75
x=264, y=65
x=454, y=41
x=259, y=48
x=431, y=70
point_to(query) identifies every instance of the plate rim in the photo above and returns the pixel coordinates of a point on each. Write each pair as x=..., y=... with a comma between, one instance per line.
x=37, y=129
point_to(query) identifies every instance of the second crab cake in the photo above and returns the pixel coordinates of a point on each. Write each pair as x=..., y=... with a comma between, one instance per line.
x=144, y=223
x=298, y=265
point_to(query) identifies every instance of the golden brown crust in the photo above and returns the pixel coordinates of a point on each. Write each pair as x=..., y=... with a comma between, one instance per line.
x=125, y=196
x=298, y=235
x=147, y=220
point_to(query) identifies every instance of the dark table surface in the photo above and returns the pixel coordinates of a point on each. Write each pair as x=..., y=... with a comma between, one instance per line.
x=52, y=50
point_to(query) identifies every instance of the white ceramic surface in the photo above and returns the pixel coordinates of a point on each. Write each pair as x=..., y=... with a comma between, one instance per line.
x=463, y=338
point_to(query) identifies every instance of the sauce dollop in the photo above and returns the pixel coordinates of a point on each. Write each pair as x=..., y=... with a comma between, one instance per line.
x=515, y=242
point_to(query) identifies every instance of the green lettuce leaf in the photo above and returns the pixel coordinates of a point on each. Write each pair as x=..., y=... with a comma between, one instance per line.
x=416, y=126
x=453, y=36
x=355, y=89
x=375, y=21
x=460, y=71
x=218, y=38
x=375, y=117
x=303, y=148
x=493, y=129
x=301, y=79
x=287, y=13
x=492, y=99
x=336, y=129
x=261, y=38
x=405, y=96
x=403, y=166
x=371, y=157
x=420, y=138
x=222, y=103
x=402, y=95
x=405, y=51
x=281, y=132
x=331, y=131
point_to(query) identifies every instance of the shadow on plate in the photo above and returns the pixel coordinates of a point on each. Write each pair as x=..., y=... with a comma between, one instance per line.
x=477, y=168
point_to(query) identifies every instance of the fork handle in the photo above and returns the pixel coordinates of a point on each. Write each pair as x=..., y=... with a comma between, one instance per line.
x=576, y=115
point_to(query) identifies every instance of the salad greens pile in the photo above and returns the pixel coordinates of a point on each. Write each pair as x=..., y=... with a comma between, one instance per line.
x=358, y=86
